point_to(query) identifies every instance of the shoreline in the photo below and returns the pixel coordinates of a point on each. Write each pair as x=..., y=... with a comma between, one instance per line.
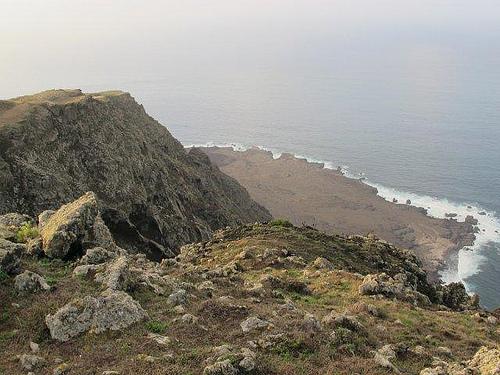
x=438, y=251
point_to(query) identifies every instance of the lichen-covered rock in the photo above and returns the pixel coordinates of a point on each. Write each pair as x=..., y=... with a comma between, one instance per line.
x=117, y=275
x=397, y=287
x=97, y=255
x=30, y=282
x=333, y=320
x=179, y=297
x=486, y=361
x=65, y=230
x=113, y=310
x=31, y=362
x=253, y=323
x=455, y=296
x=224, y=367
x=14, y=220
x=321, y=263
x=10, y=256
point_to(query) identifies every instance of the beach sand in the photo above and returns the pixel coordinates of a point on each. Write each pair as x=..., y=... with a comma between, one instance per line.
x=308, y=194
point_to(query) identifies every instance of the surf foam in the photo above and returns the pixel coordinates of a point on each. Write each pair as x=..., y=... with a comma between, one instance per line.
x=470, y=258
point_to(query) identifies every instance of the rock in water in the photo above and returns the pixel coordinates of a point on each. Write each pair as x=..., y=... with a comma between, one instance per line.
x=113, y=310
x=59, y=144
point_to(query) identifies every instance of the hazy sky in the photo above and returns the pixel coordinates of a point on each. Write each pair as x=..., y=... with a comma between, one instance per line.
x=69, y=43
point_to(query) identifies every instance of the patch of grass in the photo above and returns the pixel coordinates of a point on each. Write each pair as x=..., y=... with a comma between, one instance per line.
x=292, y=349
x=26, y=232
x=157, y=326
x=281, y=223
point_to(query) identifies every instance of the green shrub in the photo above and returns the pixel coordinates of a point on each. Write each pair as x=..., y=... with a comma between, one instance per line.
x=281, y=223
x=26, y=232
x=156, y=326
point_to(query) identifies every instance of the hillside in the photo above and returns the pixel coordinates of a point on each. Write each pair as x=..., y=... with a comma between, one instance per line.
x=58, y=144
x=254, y=299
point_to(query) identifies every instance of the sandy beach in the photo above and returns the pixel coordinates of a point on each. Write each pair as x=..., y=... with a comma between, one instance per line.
x=308, y=194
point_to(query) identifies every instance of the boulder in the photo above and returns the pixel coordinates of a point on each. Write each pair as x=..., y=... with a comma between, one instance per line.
x=10, y=256
x=345, y=321
x=253, y=323
x=224, y=367
x=321, y=263
x=117, y=275
x=30, y=282
x=31, y=362
x=113, y=310
x=397, y=287
x=179, y=297
x=64, y=231
x=97, y=255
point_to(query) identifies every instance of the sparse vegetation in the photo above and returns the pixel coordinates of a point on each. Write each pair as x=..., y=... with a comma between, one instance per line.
x=26, y=232
x=281, y=223
x=156, y=326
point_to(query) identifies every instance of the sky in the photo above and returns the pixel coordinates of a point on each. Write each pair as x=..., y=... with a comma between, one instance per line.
x=69, y=43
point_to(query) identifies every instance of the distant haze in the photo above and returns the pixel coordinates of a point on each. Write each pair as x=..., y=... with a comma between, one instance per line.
x=61, y=43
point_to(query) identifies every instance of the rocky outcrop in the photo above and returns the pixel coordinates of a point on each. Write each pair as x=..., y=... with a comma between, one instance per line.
x=486, y=361
x=57, y=145
x=397, y=287
x=113, y=310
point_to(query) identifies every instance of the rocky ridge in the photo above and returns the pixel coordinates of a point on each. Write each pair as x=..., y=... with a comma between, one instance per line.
x=254, y=299
x=59, y=144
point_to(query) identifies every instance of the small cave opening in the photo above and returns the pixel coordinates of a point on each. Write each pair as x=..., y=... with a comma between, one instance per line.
x=75, y=251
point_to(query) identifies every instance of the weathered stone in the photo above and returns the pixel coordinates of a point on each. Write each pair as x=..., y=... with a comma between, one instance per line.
x=159, y=339
x=253, y=323
x=113, y=310
x=63, y=368
x=31, y=362
x=10, y=256
x=65, y=230
x=345, y=321
x=117, y=275
x=221, y=368
x=397, y=287
x=321, y=263
x=30, y=282
x=179, y=297
x=97, y=255
x=311, y=323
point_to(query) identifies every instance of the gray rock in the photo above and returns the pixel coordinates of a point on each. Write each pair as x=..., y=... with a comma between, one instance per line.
x=97, y=255
x=345, y=321
x=117, y=275
x=311, y=323
x=30, y=282
x=31, y=362
x=179, y=297
x=322, y=264
x=224, y=367
x=113, y=310
x=253, y=323
x=10, y=256
x=63, y=368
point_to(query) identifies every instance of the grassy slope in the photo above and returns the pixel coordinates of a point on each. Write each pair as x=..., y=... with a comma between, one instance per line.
x=300, y=353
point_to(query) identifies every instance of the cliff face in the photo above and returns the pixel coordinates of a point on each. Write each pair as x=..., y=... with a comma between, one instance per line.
x=56, y=145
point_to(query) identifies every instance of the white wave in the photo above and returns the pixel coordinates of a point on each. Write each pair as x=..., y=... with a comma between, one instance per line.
x=470, y=258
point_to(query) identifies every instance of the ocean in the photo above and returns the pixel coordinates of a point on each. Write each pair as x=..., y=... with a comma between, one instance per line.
x=413, y=132
x=403, y=93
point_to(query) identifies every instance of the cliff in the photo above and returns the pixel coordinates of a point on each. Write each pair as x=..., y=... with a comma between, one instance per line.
x=58, y=144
